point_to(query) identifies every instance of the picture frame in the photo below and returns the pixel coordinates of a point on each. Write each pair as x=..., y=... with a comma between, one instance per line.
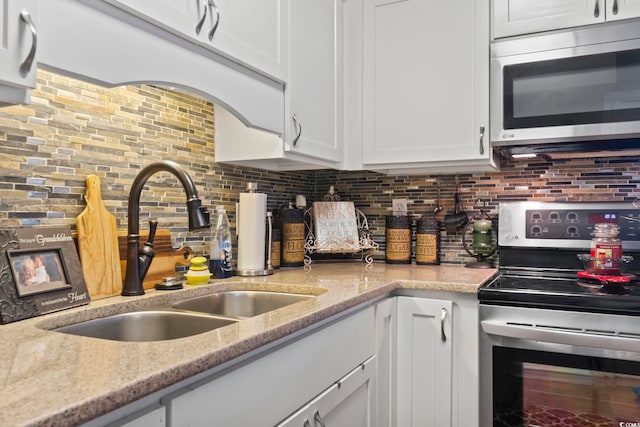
x=60, y=285
x=37, y=271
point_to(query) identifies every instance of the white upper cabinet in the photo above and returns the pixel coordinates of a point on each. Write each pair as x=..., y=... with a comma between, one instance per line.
x=251, y=32
x=313, y=107
x=314, y=93
x=516, y=17
x=425, y=86
x=18, y=50
x=106, y=45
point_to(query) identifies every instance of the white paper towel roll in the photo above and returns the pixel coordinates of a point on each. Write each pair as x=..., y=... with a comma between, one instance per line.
x=252, y=213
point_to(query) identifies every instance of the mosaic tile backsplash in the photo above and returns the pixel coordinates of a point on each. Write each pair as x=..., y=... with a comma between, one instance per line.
x=73, y=129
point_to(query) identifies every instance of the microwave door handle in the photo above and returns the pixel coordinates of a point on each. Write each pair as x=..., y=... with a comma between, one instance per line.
x=558, y=336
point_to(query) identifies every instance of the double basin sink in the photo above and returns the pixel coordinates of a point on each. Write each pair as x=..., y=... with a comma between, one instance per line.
x=186, y=317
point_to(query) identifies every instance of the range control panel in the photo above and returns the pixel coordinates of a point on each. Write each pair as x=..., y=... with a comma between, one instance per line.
x=565, y=225
x=579, y=224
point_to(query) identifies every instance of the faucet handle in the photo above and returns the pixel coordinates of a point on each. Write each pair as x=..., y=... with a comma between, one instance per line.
x=153, y=226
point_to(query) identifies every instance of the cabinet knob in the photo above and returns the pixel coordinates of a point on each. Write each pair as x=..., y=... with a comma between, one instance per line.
x=596, y=9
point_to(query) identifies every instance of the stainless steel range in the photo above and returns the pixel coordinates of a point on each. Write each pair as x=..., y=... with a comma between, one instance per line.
x=558, y=349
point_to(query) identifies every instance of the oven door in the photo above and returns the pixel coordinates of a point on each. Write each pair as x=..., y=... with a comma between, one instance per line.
x=583, y=92
x=549, y=367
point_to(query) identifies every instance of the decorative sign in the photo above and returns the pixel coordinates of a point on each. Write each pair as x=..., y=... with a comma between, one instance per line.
x=336, y=227
x=40, y=272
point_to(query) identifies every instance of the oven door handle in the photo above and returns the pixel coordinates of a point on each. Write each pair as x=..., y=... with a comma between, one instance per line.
x=561, y=336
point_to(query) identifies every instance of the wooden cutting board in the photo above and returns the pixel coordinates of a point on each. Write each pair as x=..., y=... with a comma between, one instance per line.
x=165, y=260
x=98, y=245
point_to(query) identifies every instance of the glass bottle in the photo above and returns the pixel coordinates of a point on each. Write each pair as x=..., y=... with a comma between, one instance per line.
x=220, y=245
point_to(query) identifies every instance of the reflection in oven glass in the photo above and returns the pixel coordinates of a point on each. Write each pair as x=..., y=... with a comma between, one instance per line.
x=598, y=393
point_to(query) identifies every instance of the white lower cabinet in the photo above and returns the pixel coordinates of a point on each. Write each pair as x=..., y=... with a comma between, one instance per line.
x=424, y=362
x=386, y=331
x=346, y=403
x=427, y=360
x=267, y=390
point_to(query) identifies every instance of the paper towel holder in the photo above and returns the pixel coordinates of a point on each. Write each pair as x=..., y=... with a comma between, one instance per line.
x=268, y=268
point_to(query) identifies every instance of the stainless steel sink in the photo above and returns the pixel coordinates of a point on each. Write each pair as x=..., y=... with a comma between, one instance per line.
x=240, y=304
x=146, y=326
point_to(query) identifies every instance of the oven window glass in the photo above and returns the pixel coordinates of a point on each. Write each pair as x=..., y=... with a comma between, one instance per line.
x=602, y=88
x=535, y=388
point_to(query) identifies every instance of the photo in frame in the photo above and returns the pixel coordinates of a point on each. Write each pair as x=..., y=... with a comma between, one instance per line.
x=37, y=271
x=40, y=272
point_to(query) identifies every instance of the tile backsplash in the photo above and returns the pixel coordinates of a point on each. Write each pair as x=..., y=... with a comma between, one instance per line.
x=73, y=129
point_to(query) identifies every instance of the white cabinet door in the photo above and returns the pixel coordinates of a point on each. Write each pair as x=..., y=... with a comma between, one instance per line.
x=385, y=361
x=346, y=403
x=622, y=9
x=425, y=83
x=424, y=364
x=514, y=17
x=18, y=48
x=314, y=92
x=253, y=33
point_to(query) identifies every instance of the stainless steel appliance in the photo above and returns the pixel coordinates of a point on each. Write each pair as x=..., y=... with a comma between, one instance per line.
x=573, y=85
x=554, y=350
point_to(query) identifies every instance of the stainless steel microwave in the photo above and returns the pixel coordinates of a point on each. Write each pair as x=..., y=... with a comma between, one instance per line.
x=574, y=85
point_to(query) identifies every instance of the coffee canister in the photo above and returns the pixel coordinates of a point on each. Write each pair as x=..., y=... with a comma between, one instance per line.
x=292, y=226
x=398, y=239
x=428, y=241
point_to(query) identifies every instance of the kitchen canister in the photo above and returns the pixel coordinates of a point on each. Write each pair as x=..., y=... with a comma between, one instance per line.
x=292, y=226
x=398, y=239
x=428, y=241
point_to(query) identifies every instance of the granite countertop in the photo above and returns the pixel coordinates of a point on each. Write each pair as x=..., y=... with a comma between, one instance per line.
x=51, y=378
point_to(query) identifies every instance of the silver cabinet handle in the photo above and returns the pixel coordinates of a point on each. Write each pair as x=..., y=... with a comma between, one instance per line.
x=443, y=317
x=25, y=67
x=202, y=18
x=482, y=139
x=596, y=10
x=318, y=419
x=213, y=5
x=298, y=126
x=615, y=7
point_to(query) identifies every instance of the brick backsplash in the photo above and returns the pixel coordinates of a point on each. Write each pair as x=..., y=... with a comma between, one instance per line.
x=73, y=129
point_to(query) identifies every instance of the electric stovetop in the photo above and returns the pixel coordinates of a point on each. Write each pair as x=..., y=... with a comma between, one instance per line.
x=539, y=244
